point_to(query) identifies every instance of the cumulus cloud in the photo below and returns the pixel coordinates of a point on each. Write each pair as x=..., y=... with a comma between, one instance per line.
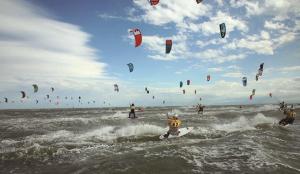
x=170, y=12
x=212, y=26
x=37, y=48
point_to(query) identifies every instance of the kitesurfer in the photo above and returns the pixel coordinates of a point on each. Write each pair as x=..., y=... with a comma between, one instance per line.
x=132, y=111
x=290, y=117
x=174, y=124
x=281, y=105
x=200, y=109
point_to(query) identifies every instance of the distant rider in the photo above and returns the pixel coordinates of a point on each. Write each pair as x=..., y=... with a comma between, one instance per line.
x=174, y=124
x=132, y=111
x=200, y=109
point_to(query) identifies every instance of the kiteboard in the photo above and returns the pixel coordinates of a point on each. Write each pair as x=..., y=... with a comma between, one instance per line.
x=182, y=131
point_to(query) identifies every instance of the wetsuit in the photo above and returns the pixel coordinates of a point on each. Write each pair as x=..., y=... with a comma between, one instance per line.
x=132, y=111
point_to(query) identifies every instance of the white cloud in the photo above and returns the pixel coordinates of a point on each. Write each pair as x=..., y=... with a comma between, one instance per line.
x=289, y=69
x=36, y=48
x=279, y=8
x=216, y=69
x=218, y=56
x=170, y=12
x=109, y=17
x=233, y=75
x=272, y=25
x=212, y=26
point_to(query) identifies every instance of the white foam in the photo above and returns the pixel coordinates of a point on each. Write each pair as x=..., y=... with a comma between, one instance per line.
x=117, y=115
x=244, y=123
x=109, y=133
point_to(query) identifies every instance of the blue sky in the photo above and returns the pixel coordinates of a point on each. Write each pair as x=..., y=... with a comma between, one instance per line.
x=82, y=48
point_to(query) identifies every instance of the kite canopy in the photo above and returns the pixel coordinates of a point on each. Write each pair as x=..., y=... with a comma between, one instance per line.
x=35, y=88
x=199, y=1
x=208, y=77
x=188, y=82
x=223, y=30
x=180, y=84
x=130, y=66
x=244, y=81
x=154, y=2
x=116, y=88
x=253, y=92
x=260, y=71
x=23, y=94
x=137, y=36
x=168, y=46
x=52, y=89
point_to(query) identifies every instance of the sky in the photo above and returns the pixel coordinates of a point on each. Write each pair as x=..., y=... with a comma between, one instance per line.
x=82, y=48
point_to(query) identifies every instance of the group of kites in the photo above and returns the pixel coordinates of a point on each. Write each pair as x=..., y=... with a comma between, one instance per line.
x=168, y=47
x=56, y=99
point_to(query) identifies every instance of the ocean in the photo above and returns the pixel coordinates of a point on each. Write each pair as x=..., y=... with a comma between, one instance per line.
x=226, y=139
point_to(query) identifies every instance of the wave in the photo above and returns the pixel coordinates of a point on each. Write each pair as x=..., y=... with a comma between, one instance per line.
x=243, y=123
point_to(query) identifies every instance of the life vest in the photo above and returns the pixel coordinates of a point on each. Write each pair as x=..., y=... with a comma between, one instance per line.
x=174, y=123
x=291, y=114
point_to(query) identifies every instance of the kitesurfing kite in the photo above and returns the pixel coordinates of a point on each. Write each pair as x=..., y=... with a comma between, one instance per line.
x=52, y=89
x=137, y=36
x=116, y=87
x=260, y=71
x=146, y=89
x=199, y=1
x=23, y=94
x=208, y=78
x=154, y=2
x=244, y=81
x=35, y=88
x=130, y=66
x=168, y=46
x=223, y=30
x=253, y=92
x=188, y=82
x=180, y=84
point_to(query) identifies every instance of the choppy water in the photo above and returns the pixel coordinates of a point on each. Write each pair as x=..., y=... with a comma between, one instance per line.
x=224, y=140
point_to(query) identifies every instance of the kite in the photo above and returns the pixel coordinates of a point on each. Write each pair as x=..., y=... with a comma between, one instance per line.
x=130, y=66
x=137, y=36
x=168, y=46
x=223, y=30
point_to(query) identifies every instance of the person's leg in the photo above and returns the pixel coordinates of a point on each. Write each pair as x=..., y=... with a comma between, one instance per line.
x=167, y=134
